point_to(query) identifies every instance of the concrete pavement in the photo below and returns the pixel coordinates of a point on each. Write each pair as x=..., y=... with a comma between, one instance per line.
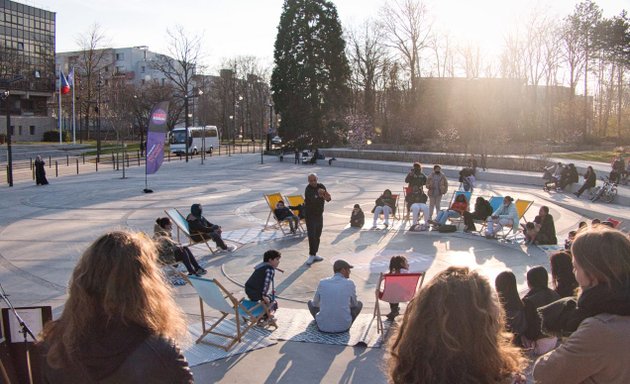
x=44, y=230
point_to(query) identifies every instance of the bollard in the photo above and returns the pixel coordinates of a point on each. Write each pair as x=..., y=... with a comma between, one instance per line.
x=77, y=166
x=83, y=155
x=31, y=163
x=56, y=168
x=7, y=168
x=113, y=161
x=33, y=173
x=138, y=158
x=127, y=156
x=49, y=161
x=96, y=163
x=241, y=149
x=67, y=160
x=168, y=155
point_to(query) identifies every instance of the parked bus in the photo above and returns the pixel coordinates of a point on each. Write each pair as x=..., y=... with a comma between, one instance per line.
x=198, y=138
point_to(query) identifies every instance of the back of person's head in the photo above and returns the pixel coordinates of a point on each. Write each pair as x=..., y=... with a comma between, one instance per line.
x=595, y=221
x=582, y=224
x=604, y=254
x=163, y=222
x=396, y=263
x=562, y=270
x=196, y=210
x=530, y=225
x=270, y=255
x=116, y=280
x=462, y=341
x=357, y=206
x=537, y=277
x=505, y=284
x=480, y=200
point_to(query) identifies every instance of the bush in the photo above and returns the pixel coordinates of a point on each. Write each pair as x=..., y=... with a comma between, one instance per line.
x=53, y=136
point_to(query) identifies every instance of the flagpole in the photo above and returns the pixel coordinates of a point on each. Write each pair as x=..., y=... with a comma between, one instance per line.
x=59, y=116
x=74, y=131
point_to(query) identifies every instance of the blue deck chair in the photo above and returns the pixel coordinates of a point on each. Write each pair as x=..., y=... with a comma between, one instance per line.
x=495, y=203
x=182, y=227
x=459, y=220
x=246, y=313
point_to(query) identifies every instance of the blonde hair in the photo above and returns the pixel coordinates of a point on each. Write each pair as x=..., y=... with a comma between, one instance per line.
x=115, y=280
x=604, y=254
x=453, y=331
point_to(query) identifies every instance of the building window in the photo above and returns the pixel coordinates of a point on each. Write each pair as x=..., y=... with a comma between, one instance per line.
x=142, y=69
x=31, y=130
x=120, y=70
x=120, y=56
x=19, y=130
x=12, y=130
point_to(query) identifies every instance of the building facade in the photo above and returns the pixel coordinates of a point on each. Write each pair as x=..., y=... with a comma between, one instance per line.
x=27, y=69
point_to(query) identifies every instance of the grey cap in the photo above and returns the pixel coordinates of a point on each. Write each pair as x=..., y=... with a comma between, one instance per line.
x=341, y=264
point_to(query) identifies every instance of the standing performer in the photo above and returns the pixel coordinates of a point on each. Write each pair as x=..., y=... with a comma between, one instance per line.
x=40, y=171
x=315, y=195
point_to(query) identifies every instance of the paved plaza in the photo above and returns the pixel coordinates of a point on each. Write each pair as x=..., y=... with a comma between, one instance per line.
x=44, y=230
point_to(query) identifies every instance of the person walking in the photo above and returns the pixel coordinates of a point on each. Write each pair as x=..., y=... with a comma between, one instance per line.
x=40, y=171
x=315, y=196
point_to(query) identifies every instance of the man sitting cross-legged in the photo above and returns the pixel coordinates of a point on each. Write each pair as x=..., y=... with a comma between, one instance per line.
x=335, y=305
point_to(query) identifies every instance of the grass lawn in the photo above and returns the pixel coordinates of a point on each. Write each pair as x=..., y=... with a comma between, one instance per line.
x=601, y=156
x=113, y=148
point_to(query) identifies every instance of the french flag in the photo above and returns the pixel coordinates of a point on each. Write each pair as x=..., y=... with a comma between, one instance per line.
x=64, y=86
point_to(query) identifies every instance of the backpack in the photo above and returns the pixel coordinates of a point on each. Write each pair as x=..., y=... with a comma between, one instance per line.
x=447, y=228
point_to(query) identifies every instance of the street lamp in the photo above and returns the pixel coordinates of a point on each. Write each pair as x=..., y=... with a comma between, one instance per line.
x=270, y=126
x=6, y=83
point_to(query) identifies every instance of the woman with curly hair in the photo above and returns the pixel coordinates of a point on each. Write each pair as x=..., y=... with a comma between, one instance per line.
x=597, y=351
x=453, y=331
x=120, y=320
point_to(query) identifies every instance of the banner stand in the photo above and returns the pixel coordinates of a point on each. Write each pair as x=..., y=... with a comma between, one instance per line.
x=156, y=135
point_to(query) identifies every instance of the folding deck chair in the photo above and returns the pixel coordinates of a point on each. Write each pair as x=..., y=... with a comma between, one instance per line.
x=272, y=199
x=395, y=211
x=246, y=313
x=397, y=288
x=522, y=206
x=495, y=203
x=294, y=201
x=459, y=220
x=182, y=226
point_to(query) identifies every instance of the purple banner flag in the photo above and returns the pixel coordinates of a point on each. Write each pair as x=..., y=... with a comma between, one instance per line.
x=156, y=136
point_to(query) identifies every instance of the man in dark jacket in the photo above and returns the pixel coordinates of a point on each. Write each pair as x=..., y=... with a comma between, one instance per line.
x=201, y=229
x=260, y=285
x=483, y=209
x=283, y=213
x=315, y=195
x=415, y=177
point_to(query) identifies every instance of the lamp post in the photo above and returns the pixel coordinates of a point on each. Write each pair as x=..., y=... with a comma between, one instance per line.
x=270, y=126
x=99, y=86
x=186, y=125
x=7, y=84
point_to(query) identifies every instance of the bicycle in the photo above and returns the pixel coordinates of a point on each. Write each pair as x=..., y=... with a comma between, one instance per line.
x=606, y=192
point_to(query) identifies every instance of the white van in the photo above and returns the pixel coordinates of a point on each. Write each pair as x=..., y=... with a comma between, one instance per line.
x=198, y=138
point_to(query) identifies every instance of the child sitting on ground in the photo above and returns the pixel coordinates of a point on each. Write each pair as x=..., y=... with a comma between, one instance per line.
x=260, y=285
x=397, y=264
x=283, y=213
x=357, y=219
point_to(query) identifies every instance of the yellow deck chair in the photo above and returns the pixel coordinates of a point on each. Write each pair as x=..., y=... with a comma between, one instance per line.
x=522, y=206
x=272, y=199
x=294, y=201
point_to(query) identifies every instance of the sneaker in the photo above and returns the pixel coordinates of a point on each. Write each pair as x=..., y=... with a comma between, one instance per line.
x=374, y=226
x=413, y=227
x=489, y=236
x=392, y=315
x=318, y=258
x=230, y=248
x=201, y=271
x=194, y=274
x=310, y=260
x=293, y=231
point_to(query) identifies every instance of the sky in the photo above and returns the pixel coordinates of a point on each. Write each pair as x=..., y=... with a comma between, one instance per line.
x=248, y=27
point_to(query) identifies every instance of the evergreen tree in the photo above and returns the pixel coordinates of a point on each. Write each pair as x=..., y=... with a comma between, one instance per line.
x=311, y=73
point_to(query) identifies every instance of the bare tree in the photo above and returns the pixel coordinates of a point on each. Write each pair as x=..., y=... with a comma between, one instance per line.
x=471, y=60
x=181, y=63
x=95, y=56
x=442, y=48
x=366, y=54
x=407, y=26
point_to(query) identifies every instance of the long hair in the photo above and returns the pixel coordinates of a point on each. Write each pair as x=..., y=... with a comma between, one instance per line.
x=505, y=284
x=453, y=331
x=115, y=280
x=396, y=263
x=562, y=276
x=604, y=254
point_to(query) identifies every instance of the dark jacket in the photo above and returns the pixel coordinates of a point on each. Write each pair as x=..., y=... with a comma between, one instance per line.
x=313, y=203
x=547, y=232
x=590, y=179
x=199, y=226
x=383, y=201
x=357, y=220
x=562, y=317
x=534, y=299
x=416, y=197
x=416, y=178
x=121, y=354
x=283, y=213
x=260, y=282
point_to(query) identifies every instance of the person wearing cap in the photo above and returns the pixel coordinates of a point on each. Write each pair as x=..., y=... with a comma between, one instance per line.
x=335, y=306
x=506, y=214
x=415, y=177
x=315, y=195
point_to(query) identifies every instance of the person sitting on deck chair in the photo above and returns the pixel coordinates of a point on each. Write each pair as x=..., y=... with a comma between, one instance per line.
x=283, y=213
x=169, y=252
x=201, y=229
x=506, y=214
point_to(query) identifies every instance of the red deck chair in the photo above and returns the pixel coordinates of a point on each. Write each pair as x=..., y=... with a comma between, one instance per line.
x=397, y=288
